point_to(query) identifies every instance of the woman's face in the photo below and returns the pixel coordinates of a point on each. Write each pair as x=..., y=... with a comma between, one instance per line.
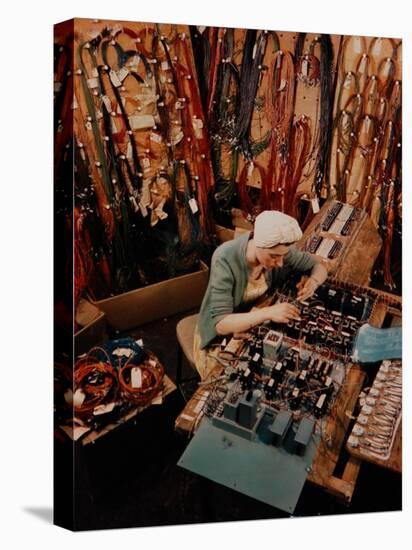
x=272, y=257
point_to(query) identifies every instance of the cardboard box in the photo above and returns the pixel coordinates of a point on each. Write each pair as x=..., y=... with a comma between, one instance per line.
x=153, y=302
x=90, y=335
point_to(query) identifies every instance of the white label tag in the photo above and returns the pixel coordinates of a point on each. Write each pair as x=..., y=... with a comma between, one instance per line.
x=165, y=66
x=75, y=105
x=121, y=75
x=68, y=396
x=123, y=352
x=177, y=138
x=129, y=151
x=347, y=81
x=193, y=205
x=139, y=342
x=305, y=67
x=137, y=122
x=146, y=163
x=315, y=205
x=78, y=398
x=113, y=125
x=114, y=78
x=357, y=45
x=256, y=357
x=201, y=29
x=136, y=377
x=157, y=138
x=143, y=209
x=88, y=125
x=107, y=103
x=282, y=85
x=178, y=105
x=95, y=72
x=377, y=47
x=102, y=409
x=250, y=169
x=197, y=124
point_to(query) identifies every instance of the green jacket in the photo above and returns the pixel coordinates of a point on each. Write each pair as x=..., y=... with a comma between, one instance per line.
x=229, y=277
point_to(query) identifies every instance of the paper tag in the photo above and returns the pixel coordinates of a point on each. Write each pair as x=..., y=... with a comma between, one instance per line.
x=197, y=124
x=157, y=138
x=250, y=169
x=315, y=205
x=178, y=105
x=139, y=342
x=377, y=47
x=113, y=125
x=146, y=163
x=121, y=75
x=193, y=205
x=88, y=125
x=305, y=68
x=95, y=72
x=75, y=105
x=201, y=29
x=78, y=398
x=165, y=66
x=122, y=352
x=129, y=151
x=137, y=122
x=136, y=377
x=177, y=138
x=57, y=86
x=357, y=45
x=347, y=81
x=103, y=409
x=114, y=78
x=107, y=103
x=282, y=85
x=68, y=396
x=143, y=209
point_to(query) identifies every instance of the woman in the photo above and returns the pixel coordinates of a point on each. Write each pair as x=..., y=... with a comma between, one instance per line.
x=241, y=271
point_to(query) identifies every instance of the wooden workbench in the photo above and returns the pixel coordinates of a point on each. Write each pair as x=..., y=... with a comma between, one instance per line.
x=333, y=469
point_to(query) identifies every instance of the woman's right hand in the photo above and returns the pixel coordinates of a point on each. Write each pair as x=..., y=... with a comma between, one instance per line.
x=282, y=313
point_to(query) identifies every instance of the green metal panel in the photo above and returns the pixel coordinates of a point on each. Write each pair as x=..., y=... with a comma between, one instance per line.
x=257, y=469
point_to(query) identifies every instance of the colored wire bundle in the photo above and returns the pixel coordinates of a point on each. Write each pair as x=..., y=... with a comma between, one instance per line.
x=95, y=383
x=149, y=378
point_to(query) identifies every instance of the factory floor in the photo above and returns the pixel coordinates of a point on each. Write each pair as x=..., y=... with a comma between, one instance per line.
x=130, y=477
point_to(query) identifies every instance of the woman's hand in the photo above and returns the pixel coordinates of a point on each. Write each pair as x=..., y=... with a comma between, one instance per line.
x=306, y=288
x=282, y=313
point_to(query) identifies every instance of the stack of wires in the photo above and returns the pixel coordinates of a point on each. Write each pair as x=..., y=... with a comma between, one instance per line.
x=95, y=383
x=140, y=382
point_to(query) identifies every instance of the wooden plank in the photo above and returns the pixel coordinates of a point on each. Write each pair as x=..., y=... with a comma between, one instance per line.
x=331, y=445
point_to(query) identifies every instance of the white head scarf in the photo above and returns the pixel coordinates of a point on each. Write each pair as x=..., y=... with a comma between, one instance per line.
x=272, y=228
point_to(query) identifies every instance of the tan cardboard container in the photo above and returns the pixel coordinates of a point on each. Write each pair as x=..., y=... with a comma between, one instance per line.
x=156, y=301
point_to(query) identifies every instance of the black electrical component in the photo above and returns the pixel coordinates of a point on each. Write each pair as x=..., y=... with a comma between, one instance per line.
x=246, y=379
x=295, y=399
x=301, y=380
x=270, y=388
x=255, y=364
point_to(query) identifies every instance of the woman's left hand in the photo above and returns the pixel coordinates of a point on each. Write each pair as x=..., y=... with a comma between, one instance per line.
x=306, y=288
